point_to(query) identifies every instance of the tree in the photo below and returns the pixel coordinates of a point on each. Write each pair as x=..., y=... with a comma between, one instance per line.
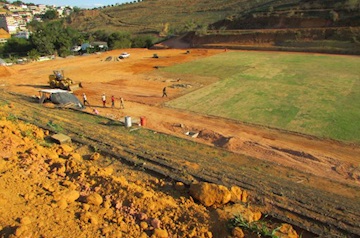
x=190, y=26
x=63, y=44
x=122, y=44
x=43, y=38
x=50, y=15
x=54, y=37
x=202, y=30
x=64, y=51
x=18, y=46
x=142, y=42
x=101, y=35
x=33, y=55
x=76, y=9
x=17, y=3
x=76, y=37
x=43, y=45
x=118, y=40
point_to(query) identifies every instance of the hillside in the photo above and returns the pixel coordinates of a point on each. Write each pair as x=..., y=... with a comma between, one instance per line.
x=150, y=16
x=309, y=26
x=290, y=25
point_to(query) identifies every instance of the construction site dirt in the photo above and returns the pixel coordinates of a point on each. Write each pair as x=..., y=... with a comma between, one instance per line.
x=309, y=182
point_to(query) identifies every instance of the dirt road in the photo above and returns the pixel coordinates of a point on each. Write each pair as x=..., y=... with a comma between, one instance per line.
x=137, y=80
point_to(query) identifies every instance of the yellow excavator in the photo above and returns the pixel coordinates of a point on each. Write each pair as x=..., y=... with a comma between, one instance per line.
x=58, y=80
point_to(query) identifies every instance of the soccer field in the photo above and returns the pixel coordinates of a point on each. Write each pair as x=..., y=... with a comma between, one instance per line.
x=308, y=93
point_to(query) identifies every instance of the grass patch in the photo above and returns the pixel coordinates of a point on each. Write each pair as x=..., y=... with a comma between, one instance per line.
x=55, y=127
x=307, y=93
x=3, y=103
x=257, y=227
x=11, y=117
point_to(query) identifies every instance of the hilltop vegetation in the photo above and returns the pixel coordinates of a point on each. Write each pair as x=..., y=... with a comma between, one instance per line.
x=166, y=17
x=317, y=26
x=301, y=25
x=162, y=16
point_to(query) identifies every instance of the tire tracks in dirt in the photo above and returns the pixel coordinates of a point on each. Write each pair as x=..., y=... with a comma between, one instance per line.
x=274, y=188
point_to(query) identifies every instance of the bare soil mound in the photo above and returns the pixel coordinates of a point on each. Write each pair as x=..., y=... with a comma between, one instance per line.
x=51, y=190
x=6, y=71
x=66, y=191
x=232, y=143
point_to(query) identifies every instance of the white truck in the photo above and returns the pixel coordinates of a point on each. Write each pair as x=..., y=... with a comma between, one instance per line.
x=124, y=55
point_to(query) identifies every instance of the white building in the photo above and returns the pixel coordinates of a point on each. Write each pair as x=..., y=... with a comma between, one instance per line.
x=23, y=34
x=9, y=24
x=42, y=8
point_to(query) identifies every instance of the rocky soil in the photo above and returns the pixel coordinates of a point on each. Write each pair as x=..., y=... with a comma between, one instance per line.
x=70, y=190
x=306, y=181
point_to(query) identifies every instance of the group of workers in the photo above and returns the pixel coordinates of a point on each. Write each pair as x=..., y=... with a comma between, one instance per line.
x=122, y=105
x=103, y=99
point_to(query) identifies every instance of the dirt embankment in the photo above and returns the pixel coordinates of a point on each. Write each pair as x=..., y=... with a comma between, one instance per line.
x=69, y=190
x=276, y=36
x=303, y=160
x=279, y=33
x=341, y=40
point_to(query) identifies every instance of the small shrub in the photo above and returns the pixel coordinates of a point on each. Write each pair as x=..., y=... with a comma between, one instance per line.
x=54, y=127
x=258, y=227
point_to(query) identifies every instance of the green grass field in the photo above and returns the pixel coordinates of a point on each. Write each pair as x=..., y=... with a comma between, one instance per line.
x=308, y=93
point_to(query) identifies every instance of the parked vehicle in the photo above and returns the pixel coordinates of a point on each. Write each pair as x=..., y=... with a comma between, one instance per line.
x=124, y=55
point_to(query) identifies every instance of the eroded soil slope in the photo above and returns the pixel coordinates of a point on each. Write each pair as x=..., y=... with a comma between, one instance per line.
x=68, y=190
x=318, y=171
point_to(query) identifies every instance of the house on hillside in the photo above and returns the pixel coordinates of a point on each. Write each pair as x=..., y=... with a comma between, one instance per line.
x=4, y=36
x=42, y=8
x=13, y=8
x=23, y=34
x=8, y=23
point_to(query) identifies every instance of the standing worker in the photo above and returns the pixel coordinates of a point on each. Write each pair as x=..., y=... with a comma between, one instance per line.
x=103, y=98
x=85, y=99
x=164, y=92
x=112, y=101
x=122, y=103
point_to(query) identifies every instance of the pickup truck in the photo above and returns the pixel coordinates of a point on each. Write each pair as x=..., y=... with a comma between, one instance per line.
x=124, y=55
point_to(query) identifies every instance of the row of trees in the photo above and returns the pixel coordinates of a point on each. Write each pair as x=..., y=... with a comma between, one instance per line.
x=118, y=4
x=53, y=37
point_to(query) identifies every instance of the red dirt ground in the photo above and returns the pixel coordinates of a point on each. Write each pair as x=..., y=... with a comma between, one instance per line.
x=137, y=80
